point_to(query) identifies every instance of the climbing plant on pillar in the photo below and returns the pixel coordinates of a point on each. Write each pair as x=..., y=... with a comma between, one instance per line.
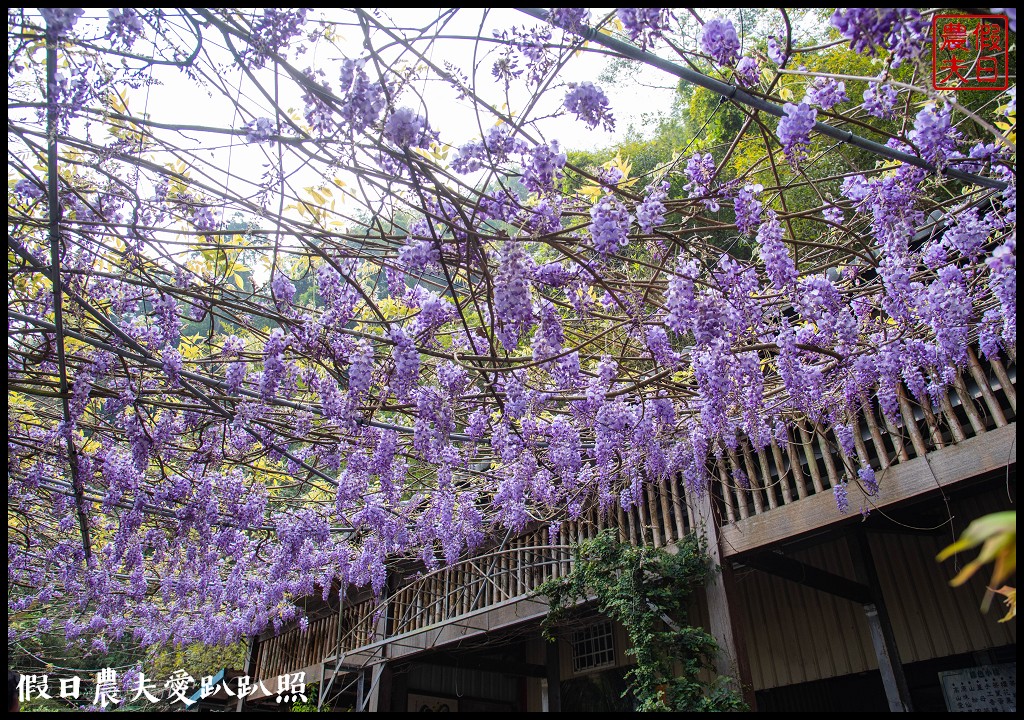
x=648, y=591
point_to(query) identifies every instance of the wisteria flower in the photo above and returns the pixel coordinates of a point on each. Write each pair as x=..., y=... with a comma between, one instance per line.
x=405, y=128
x=794, y=131
x=259, y=130
x=826, y=93
x=747, y=72
x=590, y=104
x=643, y=25
x=569, y=18
x=60, y=21
x=719, y=40
x=610, y=227
x=880, y=100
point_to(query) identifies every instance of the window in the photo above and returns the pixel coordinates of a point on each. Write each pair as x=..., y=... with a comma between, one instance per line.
x=593, y=647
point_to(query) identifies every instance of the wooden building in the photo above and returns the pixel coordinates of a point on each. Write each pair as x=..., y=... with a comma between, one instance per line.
x=814, y=610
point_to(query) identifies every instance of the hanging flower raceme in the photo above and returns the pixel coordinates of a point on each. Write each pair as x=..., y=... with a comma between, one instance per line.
x=513, y=309
x=610, y=227
x=794, y=131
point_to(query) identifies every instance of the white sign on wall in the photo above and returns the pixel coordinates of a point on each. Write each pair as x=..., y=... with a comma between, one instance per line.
x=989, y=688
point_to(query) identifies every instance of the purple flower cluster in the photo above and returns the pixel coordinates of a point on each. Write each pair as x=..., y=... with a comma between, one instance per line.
x=272, y=32
x=259, y=130
x=899, y=30
x=700, y=171
x=867, y=477
x=318, y=113
x=748, y=208
x=643, y=25
x=407, y=364
x=946, y=308
x=778, y=264
x=775, y=52
x=419, y=255
x=719, y=40
x=680, y=301
x=405, y=128
x=543, y=217
x=833, y=214
x=283, y=289
x=794, y=131
x=1011, y=16
x=513, y=310
x=651, y=212
x=573, y=19
x=235, y=376
x=610, y=225
x=530, y=45
x=747, y=72
x=842, y=498
x=880, y=100
x=166, y=309
x=362, y=100
x=124, y=26
x=543, y=167
x=589, y=103
x=60, y=21
x=660, y=347
x=273, y=363
x=1002, y=267
x=203, y=220
x=826, y=93
x=27, y=189
x=933, y=134
x=497, y=147
x=969, y=233
x=548, y=339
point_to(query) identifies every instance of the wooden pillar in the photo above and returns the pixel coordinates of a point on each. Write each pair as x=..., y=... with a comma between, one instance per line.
x=554, y=678
x=731, y=660
x=882, y=638
x=250, y=667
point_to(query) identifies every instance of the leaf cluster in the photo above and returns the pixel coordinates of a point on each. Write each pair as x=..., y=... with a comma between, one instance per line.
x=648, y=591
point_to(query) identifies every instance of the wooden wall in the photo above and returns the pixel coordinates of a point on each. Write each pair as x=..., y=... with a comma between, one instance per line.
x=796, y=634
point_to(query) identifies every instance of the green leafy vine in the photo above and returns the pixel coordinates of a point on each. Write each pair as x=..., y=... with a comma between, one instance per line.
x=647, y=590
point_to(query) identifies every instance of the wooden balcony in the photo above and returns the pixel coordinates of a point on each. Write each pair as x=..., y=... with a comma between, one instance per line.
x=790, y=491
x=789, y=494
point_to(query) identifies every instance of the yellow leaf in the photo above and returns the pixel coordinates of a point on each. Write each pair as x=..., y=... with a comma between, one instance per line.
x=1010, y=595
x=786, y=94
x=997, y=534
x=239, y=281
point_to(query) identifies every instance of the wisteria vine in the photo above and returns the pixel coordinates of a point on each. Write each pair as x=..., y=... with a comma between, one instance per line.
x=279, y=386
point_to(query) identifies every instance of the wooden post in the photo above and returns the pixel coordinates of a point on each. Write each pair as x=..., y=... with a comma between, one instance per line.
x=895, y=683
x=554, y=669
x=731, y=660
x=250, y=667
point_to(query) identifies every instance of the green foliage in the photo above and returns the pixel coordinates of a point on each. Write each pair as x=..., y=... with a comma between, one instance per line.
x=312, y=693
x=648, y=590
x=197, y=659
